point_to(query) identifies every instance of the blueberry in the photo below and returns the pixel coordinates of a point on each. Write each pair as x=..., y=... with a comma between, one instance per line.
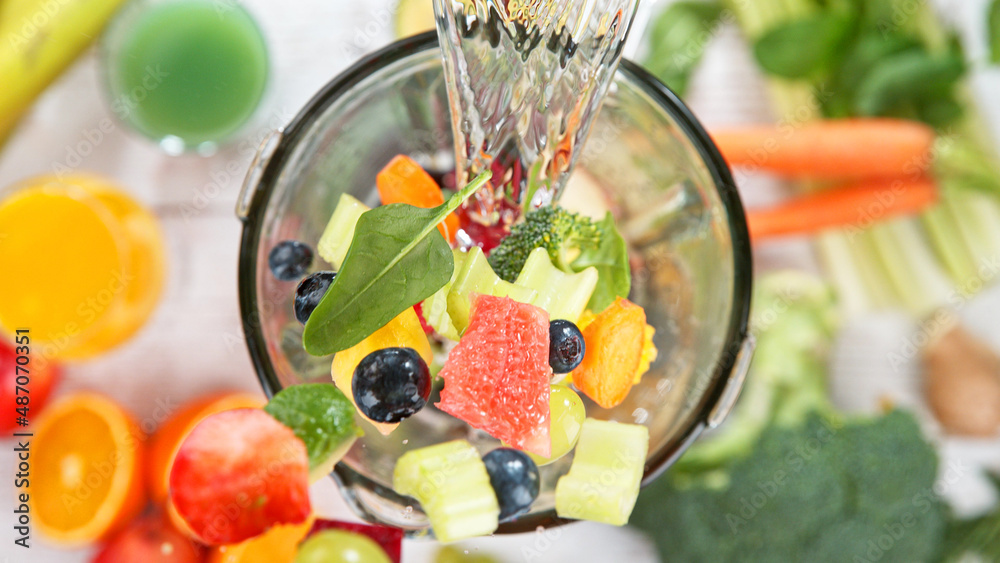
x=309, y=292
x=290, y=260
x=514, y=478
x=391, y=384
x=566, y=346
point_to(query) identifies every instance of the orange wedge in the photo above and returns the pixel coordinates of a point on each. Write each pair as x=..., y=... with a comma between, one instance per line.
x=277, y=545
x=86, y=478
x=168, y=438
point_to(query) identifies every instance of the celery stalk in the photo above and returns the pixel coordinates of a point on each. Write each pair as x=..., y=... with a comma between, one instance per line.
x=852, y=293
x=910, y=266
x=943, y=235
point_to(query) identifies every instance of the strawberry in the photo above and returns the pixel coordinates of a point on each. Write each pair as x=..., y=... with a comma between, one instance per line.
x=238, y=473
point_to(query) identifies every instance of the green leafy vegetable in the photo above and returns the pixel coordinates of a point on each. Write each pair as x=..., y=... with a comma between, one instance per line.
x=871, y=48
x=819, y=492
x=977, y=539
x=678, y=40
x=993, y=31
x=907, y=78
x=322, y=417
x=397, y=259
x=611, y=260
x=804, y=47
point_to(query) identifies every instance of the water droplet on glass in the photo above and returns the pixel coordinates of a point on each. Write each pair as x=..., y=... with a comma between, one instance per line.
x=640, y=415
x=664, y=386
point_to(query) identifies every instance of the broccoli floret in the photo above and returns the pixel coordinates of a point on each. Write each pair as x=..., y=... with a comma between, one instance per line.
x=563, y=233
x=819, y=492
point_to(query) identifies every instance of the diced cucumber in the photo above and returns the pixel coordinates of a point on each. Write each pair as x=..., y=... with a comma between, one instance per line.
x=563, y=295
x=339, y=232
x=453, y=487
x=478, y=277
x=603, y=483
x=435, y=307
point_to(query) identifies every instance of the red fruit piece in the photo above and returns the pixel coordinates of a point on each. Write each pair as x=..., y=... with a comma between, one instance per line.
x=150, y=539
x=419, y=308
x=390, y=539
x=497, y=378
x=37, y=378
x=238, y=473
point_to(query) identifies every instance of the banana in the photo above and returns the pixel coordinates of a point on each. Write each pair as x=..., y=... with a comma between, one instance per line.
x=413, y=17
x=39, y=39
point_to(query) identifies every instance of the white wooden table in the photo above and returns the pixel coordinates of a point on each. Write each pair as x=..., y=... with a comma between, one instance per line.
x=194, y=343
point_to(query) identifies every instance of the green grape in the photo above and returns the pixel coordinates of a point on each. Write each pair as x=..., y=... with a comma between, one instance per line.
x=339, y=546
x=565, y=423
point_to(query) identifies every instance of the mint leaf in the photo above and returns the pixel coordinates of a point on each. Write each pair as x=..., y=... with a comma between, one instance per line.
x=396, y=260
x=614, y=278
x=678, y=40
x=804, y=47
x=321, y=416
x=993, y=31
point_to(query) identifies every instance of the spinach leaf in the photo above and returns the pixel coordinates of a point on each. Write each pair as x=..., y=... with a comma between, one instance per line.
x=993, y=31
x=614, y=278
x=678, y=40
x=870, y=48
x=397, y=259
x=906, y=79
x=805, y=47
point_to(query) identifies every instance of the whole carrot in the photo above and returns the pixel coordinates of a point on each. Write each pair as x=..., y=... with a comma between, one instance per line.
x=832, y=149
x=853, y=205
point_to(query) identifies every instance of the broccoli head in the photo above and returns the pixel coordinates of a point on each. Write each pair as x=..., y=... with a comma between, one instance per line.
x=822, y=491
x=564, y=234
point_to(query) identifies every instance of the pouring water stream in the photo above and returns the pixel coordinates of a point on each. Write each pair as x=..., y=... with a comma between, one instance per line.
x=525, y=80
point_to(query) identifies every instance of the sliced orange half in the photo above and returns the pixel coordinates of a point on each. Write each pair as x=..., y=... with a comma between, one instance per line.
x=87, y=478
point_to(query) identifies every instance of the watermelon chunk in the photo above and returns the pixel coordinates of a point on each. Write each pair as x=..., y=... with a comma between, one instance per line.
x=497, y=377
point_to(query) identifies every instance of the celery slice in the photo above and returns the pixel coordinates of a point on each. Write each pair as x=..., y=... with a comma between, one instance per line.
x=603, y=483
x=339, y=232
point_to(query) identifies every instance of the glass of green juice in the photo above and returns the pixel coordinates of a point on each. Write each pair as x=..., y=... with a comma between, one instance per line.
x=189, y=74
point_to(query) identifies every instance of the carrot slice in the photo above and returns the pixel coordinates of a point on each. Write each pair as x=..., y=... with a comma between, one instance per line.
x=405, y=181
x=614, y=342
x=832, y=149
x=858, y=205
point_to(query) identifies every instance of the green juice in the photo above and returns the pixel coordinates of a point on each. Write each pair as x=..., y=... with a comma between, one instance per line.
x=190, y=69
